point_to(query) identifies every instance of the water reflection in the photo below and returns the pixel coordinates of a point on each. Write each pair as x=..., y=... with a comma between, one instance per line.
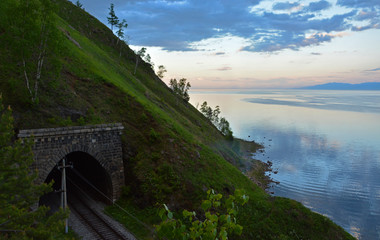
x=324, y=144
x=341, y=182
x=316, y=103
x=328, y=100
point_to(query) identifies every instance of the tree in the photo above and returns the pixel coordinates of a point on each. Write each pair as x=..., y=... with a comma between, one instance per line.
x=148, y=59
x=213, y=115
x=180, y=87
x=112, y=19
x=218, y=222
x=206, y=110
x=139, y=55
x=120, y=32
x=161, y=71
x=18, y=193
x=224, y=128
x=33, y=41
x=78, y=4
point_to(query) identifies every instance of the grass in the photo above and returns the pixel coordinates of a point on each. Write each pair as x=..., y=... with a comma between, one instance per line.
x=138, y=221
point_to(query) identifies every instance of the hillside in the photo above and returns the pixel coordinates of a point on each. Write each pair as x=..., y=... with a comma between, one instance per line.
x=345, y=86
x=172, y=154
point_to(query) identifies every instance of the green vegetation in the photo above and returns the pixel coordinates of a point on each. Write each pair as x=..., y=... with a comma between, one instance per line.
x=161, y=71
x=221, y=123
x=33, y=40
x=120, y=30
x=78, y=4
x=18, y=193
x=219, y=219
x=181, y=88
x=113, y=20
x=172, y=153
x=140, y=54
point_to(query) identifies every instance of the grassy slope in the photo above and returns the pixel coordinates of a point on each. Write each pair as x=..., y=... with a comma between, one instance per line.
x=171, y=152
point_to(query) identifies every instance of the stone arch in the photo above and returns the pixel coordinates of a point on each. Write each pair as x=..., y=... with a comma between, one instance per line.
x=101, y=142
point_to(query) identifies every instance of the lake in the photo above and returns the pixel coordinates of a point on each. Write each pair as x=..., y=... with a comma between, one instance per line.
x=324, y=144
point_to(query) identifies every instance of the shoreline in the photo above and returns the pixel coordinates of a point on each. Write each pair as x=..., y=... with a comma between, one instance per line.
x=256, y=170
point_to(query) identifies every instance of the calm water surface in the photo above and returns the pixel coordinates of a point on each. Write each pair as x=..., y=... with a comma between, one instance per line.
x=324, y=144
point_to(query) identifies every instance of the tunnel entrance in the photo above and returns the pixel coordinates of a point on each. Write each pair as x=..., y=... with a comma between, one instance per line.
x=86, y=176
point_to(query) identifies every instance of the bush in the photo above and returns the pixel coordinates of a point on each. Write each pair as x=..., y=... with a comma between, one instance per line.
x=218, y=222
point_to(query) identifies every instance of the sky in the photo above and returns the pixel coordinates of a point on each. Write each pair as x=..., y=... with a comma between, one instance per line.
x=254, y=43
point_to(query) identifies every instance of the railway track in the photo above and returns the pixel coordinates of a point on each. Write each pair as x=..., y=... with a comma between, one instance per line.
x=89, y=217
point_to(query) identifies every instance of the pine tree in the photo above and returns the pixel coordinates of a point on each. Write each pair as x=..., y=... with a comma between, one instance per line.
x=78, y=4
x=18, y=193
x=112, y=19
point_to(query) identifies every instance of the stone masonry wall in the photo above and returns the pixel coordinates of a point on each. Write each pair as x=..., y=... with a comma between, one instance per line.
x=103, y=142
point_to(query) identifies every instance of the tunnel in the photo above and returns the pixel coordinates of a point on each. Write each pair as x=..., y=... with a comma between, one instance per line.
x=85, y=176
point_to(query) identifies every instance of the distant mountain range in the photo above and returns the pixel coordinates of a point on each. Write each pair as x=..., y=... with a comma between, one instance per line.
x=345, y=86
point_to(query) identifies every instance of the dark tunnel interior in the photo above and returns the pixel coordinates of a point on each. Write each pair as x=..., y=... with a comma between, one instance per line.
x=86, y=176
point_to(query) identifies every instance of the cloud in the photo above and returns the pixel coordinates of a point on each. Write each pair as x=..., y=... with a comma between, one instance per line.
x=362, y=28
x=316, y=39
x=373, y=70
x=291, y=42
x=371, y=17
x=318, y=6
x=175, y=25
x=219, y=53
x=359, y=3
x=295, y=6
x=286, y=6
x=226, y=68
x=365, y=15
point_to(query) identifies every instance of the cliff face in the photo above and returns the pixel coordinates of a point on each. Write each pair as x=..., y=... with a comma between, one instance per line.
x=172, y=154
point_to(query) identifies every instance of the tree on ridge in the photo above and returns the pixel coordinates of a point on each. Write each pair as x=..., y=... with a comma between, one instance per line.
x=112, y=19
x=78, y=4
x=161, y=71
x=220, y=123
x=120, y=33
x=180, y=87
x=139, y=55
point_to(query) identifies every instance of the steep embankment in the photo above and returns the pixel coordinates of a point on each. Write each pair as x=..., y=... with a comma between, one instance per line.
x=172, y=154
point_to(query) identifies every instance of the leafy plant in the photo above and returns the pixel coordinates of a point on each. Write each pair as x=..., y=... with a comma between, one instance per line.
x=218, y=222
x=154, y=136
